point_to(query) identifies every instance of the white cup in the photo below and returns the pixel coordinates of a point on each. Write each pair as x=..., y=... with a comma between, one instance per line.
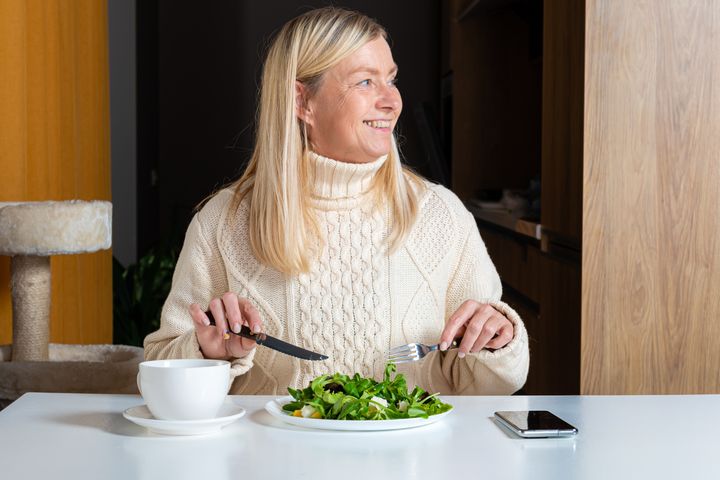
x=184, y=389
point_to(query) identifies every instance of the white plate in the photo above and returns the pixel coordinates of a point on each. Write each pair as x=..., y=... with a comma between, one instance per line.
x=274, y=408
x=140, y=415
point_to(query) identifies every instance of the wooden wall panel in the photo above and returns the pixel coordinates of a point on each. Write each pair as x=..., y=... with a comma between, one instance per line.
x=54, y=144
x=651, y=227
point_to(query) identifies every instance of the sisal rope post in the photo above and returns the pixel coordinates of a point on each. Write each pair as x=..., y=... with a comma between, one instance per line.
x=30, y=277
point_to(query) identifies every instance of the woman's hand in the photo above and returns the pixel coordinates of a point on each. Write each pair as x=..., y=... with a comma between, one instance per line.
x=479, y=325
x=229, y=312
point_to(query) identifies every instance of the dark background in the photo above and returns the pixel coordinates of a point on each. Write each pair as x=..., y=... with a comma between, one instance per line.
x=198, y=71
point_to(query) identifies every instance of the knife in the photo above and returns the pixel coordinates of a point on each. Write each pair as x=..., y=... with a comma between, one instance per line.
x=274, y=343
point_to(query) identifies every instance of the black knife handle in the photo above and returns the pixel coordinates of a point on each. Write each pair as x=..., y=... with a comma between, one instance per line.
x=244, y=330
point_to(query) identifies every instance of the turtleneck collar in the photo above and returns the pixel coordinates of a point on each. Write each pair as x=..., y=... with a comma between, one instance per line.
x=336, y=184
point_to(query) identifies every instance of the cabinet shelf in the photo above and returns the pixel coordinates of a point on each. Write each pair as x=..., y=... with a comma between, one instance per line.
x=506, y=220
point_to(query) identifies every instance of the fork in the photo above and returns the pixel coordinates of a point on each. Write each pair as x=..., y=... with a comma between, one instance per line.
x=412, y=352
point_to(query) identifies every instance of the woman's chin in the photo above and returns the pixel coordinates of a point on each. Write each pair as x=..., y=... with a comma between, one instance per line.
x=366, y=155
x=377, y=151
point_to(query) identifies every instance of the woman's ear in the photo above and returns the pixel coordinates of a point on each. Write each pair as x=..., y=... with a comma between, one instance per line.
x=302, y=111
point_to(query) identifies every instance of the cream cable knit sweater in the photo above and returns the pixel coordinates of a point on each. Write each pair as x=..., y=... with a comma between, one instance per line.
x=357, y=301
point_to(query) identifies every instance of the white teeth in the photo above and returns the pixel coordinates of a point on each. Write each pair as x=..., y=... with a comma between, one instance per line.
x=378, y=123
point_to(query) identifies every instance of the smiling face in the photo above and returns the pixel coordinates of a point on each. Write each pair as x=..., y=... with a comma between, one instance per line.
x=352, y=115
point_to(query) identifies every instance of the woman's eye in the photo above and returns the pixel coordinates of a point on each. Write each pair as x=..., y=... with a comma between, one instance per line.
x=365, y=83
x=394, y=81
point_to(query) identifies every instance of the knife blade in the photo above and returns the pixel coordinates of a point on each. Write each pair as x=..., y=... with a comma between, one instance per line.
x=272, y=342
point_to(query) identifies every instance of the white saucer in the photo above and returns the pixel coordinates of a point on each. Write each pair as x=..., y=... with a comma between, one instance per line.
x=140, y=415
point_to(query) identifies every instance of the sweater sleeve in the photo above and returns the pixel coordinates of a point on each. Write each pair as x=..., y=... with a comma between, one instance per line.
x=198, y=278
x=499, y=372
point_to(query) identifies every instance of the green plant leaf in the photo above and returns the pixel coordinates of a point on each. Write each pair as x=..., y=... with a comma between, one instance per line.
x=139, y=292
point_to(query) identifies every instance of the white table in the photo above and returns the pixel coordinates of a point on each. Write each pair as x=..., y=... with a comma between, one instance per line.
x=75, y=436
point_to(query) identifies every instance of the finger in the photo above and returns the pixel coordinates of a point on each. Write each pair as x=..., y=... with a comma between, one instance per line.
x=473, y=329
x=237, y=346
x=210, y=346
x=251, y=315
x=251, y=318
x=216, y=307
x=455, y=322
x=490, y=328
x=504, y=336
x=198, y=316
x=232, y=311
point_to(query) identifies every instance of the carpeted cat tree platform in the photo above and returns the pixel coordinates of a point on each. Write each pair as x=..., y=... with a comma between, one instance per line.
x=31, y=232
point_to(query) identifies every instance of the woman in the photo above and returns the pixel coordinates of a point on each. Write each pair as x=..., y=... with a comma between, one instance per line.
x=329, y=243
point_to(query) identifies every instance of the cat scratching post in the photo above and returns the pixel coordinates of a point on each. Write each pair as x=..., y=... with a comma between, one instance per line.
x=31, y=232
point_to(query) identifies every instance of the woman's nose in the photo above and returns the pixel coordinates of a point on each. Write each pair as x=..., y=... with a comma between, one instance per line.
x=389, y=98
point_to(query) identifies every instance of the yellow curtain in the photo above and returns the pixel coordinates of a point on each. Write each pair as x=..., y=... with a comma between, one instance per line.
x=55, y=145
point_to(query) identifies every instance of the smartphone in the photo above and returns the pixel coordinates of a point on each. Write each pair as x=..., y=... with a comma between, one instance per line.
x=536, y=424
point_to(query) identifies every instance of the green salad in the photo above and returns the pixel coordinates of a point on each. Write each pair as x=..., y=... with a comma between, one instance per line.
x=341, y=397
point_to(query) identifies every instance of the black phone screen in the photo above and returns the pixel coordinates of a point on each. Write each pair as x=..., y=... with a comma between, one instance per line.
x=536, y=420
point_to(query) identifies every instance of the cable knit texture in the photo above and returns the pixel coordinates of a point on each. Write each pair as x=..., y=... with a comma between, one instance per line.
x=357, y=300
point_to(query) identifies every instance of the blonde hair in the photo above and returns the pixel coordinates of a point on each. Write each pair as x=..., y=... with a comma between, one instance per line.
x=282, y=225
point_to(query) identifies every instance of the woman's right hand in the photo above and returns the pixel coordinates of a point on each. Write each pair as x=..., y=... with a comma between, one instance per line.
x=229, y=312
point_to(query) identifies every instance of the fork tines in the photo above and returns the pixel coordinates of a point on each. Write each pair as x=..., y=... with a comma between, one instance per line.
x=405, y=353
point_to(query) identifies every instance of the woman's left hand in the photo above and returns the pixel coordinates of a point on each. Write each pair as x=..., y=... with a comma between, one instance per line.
x=479, y=325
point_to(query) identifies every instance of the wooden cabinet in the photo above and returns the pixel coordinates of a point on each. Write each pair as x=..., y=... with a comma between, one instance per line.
x=511, y=111
x=557, y=356
x=517, y=258
x=496, y=91
x=651, y=255
x=562, y=121
x=544, y=289
x=620, y=294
